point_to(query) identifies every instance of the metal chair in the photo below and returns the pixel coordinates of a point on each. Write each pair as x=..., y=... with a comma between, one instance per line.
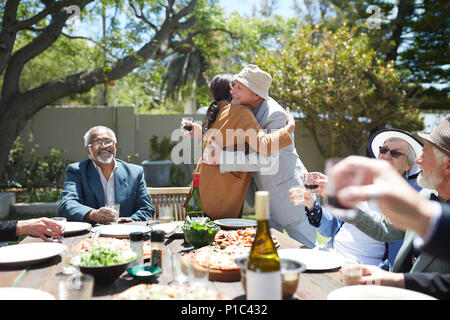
x=172, y=197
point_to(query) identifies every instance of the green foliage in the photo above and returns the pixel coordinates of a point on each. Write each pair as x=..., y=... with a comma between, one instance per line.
x=160, y=150
x=34, y=170
x=342, y=88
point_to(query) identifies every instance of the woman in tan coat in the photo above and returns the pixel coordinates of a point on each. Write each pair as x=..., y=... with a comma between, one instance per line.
x=232, y=127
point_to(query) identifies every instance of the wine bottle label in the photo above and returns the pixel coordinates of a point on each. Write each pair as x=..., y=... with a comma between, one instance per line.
x=263, y=285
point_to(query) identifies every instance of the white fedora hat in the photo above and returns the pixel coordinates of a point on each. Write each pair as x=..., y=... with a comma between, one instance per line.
x=378, y=138
x=255, y=79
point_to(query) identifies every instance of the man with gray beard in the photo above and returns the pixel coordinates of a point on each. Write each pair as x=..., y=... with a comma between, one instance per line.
x=102, y=180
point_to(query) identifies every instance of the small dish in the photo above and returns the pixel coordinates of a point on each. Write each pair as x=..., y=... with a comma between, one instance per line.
x=144, y=273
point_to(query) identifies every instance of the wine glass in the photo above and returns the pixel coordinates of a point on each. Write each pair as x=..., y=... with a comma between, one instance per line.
x=186, y=122
x=331, y=202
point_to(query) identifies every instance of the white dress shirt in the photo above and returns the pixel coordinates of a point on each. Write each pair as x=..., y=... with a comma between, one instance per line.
x=107, y=185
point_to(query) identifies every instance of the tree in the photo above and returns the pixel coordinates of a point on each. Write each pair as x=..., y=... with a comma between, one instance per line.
x=154, y=30
x=414, y=34
x=344, y=90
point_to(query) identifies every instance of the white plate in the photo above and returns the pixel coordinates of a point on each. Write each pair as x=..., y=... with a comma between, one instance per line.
x=120, y=230
x=74, y=227
x=314, y=259
x=376, y=293
x=235, y=223
x=169, y=227
x=29, y=253
x=24, y=294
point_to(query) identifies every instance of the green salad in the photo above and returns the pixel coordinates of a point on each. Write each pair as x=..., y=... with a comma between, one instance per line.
x=199, y=232
x=99, y=257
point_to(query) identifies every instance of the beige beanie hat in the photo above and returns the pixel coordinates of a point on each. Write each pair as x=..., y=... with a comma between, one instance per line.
x=255, y=79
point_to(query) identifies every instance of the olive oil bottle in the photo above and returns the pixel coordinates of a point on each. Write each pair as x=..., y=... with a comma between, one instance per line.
x=263, y=276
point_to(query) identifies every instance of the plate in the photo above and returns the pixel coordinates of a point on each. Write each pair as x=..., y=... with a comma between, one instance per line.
x=235, y=223
x=29, y=253
x=314, y=259
x=24, y=294
x=376, y=293
x=75, y=227
x=169, y=227
x=120, y=230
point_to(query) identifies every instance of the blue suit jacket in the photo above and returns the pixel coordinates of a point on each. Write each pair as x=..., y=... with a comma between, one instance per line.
x=83, y=191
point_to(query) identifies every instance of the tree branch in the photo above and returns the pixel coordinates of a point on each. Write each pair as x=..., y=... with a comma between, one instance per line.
x=35, y=99
x=8, y=32
x=141, y=16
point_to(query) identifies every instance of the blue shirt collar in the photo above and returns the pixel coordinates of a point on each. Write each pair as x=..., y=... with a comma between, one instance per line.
x=255, y=111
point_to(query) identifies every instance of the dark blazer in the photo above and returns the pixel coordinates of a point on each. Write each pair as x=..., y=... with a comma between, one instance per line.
x=8, y=230
x=434, y=284
x=83, y=191
x=438, y=244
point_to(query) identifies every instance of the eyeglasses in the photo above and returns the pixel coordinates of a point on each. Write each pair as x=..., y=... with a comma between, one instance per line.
x=394, y=153
x=104, y=143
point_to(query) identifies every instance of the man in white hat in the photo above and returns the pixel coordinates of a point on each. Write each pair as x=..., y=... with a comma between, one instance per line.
x=279, y=173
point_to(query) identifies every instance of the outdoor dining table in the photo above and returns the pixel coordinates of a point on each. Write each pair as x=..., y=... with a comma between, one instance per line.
x=46, y=275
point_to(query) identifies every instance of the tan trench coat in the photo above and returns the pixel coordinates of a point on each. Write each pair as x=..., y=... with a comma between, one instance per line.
x=223, y=195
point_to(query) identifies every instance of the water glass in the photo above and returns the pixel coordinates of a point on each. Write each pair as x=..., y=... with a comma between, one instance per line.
x=298, y=196
x=165, y=214
x=115, y=207
x=351, y=273
x=79, y=286
x=331, y=202
x=62, y=222
x=198, y=276
x=66, y=257
x=179, y=270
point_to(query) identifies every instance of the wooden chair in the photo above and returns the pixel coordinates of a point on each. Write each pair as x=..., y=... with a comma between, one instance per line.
x=173, y=197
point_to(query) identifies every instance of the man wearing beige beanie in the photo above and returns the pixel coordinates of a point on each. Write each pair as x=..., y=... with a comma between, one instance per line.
x=285, y=170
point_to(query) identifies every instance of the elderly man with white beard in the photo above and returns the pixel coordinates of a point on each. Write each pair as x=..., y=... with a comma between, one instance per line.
x=102, y=180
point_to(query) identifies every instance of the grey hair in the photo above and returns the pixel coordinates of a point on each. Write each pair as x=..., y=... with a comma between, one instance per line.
x=410, y=155
x=440, y=156
x=87, y=135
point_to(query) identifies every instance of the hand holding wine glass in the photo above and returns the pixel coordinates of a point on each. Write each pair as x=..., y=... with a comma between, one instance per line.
x=190, y=128
x=315, y=182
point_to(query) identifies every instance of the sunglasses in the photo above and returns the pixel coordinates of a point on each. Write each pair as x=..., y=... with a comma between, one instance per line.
x=394, y=153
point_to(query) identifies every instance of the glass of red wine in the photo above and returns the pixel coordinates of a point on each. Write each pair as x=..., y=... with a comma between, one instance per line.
x=186, y=122
x=331, y=202
x=311, y=182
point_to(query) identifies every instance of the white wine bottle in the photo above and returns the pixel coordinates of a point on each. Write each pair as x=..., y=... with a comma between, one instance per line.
x=263, y=276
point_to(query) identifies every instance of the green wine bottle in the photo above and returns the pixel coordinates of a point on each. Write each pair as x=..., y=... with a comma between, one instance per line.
x=194, y=207
x=263, y=276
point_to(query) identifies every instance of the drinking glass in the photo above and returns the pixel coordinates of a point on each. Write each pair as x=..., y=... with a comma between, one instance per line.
x=198, y=276
x=79, y=286
x=187, y=127
x=331, y=202
x=62, y=222
x=165, y=214
x=351, y=273
x=66, y=257
x=115, y=207
x=179, y=270
x=298, y=196
x=310, y=181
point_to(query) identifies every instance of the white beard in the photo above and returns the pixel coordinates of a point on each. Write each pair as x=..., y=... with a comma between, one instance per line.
x=99, y=159
x=430, y=182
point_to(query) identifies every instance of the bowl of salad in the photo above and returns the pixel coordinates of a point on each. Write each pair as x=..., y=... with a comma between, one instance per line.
x=104, y=264
x=199, y=232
